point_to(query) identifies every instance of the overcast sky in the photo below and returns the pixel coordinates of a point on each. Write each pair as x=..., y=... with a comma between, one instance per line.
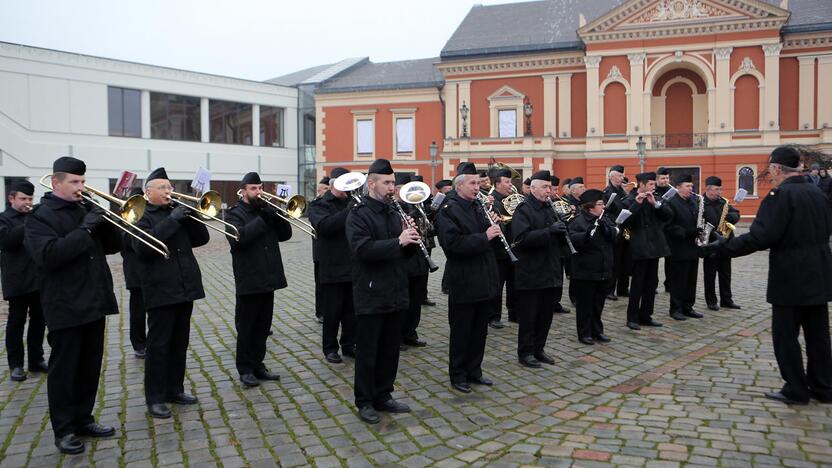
x=241, y=38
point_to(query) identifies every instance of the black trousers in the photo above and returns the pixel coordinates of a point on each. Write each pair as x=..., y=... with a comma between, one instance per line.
x=74, y=370
x=168, y=331
x=559, y=291
x=469, y=329
x=643, y=290
x=505, y=274
x=338, y=311
x=590, y=297
x=619, y=283
x=816, y=380
x=138, y=320
x=319, y=312
x=681, y=277
x=19, y=308
x=417, y=290
x=713, y=265
x=377, y=357
x=253, y=320
x=535, y=314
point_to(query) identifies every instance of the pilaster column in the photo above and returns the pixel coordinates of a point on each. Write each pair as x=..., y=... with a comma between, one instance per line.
x=637, y=116
x=204, y=121
x=593, y=126
x=255, y=124
x=564, y=105
x=549, y=105
x=145, y=113
x=723, y=95
x=451, y=110
x=806, y=100
x=771, y=120
x=825, y=91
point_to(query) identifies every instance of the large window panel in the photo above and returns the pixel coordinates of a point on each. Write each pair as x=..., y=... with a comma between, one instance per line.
x=365, y=135
x=174, y=117
x=124, y=112
x=230, y=122
x=508, y=123
x=404, y=135
x=271, y=126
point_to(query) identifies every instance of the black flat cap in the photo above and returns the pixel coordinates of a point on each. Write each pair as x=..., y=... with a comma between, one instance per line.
x=324, y=180
x=466, y=168
x=136, y=191
x=497, y=172
x=555, y=181
x=787, y=156
x=251, y=178
x=618, y=168
x=443, y=183
x=337, y=172
x=682, y=178
x=416, y=178
x=662, y=171
x=528, y=181
x=713, y=180
x=567, y=181
x=380, y=166
x=591, y=196
x=482, y=173
x=69, y=165
x=23, y=186
x=542, y=175
x=402, y=178
x=576, y=180
x=645, y=176
x=158, y=173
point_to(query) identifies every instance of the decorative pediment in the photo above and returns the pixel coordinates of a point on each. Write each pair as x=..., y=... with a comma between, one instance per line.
x=506, y=92
x=640, y=19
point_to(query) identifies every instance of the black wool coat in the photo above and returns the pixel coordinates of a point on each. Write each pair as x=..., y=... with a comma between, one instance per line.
x=255, y=257
x=681, y=231
x=538, y=249
x=77, y=283
x=594, y=260
x=646, y=226
x=177, y=279
x=328, y=215
x=18, y=274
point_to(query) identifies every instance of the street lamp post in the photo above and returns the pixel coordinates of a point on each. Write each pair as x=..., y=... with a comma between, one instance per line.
x=433, y=150
x=463, y=112
x=527, y=110
x=641, y=146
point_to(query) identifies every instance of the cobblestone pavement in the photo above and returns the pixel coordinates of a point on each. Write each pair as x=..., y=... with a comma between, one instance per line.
x=689, y=393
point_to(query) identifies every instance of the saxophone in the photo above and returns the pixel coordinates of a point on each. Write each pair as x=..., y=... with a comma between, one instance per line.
x=725, y=228
x=705, y=226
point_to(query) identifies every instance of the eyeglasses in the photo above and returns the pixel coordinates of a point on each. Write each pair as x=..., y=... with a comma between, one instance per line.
x=162, y=187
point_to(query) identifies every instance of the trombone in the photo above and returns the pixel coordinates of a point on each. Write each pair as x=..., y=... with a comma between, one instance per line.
x=208, y=206
x=129, y=213
x=289, y=209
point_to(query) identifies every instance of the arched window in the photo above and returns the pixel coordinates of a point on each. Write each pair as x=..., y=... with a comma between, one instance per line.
x=745, y=176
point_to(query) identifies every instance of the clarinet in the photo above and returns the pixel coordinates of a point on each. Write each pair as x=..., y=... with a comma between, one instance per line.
x=484, y=202
x=566, y=234
x=431, y=266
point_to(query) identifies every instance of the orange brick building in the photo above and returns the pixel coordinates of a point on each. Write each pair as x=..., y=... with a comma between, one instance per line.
x=711, y=86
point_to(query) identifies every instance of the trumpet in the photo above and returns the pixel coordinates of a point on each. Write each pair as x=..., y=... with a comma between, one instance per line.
x=289, y=209
x=350, y=183
x=207, y=207
x=129, y=213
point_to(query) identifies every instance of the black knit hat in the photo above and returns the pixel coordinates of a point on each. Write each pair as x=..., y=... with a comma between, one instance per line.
x=251, y=178
x=645, y=176
x=23, y=186
x=324, y=180
x=682, y=178
x=591, y=196
x=443, y=183
x=69, y=165
x=402, y=178
x=380, y=166
x=158, y=173
x=337, y=172
x=787, y=156
x=542, y=175
x=466, y=168
x=618, y=168
x=713, y=180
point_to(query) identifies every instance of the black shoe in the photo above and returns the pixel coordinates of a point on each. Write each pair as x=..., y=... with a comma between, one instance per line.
x=319, y=318
x=678, y=316
x=349, y=351
x=264, y=374
x=427, y=302
x=612, y=297
x=481, y=381
x=633, y=326
x=651, y=323
x=778, y=396
x=41, y=367
x=512, y=319
x=822, y=399
x=624, y=294
x=602, y=338
x=692, y=314
x=18, y=374
x=159, y=410
x=184, y=399
x=97, y=430
x=249, y=380
x=544, y=358
x=713, y=307
x=445, y=292
x=496, y=324
x=270, y=333
x=463, y=387
x=334, y=358
x=392, y=406
x=730, y=305
x=140, y=353
x=530, y=361
x=559, y=309
x=417, y=343
x=368, y=415
x=69, y=444
x=586, y=340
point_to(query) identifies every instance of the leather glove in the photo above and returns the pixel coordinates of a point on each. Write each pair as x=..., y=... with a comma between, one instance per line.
x=712, y=248
x=557, y=227
x=92, y=218
x=179, y=213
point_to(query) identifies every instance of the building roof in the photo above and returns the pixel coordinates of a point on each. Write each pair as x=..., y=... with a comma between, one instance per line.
x=318, y=74
x=546, y=25
x=406, y=74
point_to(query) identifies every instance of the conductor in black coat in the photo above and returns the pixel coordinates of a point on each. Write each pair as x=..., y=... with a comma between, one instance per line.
x=465, y=235
x=170, y=287
x=380, y=247
x=538, y=272
x=133, y=282
x=593, y=236
x=619, y=283
x=328, y=215
x=69, y=242
x=715, y=264
x=501, y=181
x=21, y=283
x=683, y=263
x=258, y=272
x=647, y=246
x=794, y=223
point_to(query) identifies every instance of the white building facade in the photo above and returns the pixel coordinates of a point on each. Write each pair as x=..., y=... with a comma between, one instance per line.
x=118, y=116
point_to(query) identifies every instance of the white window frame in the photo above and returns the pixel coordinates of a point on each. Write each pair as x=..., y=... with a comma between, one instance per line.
x=363, y=115
x=403, y=113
